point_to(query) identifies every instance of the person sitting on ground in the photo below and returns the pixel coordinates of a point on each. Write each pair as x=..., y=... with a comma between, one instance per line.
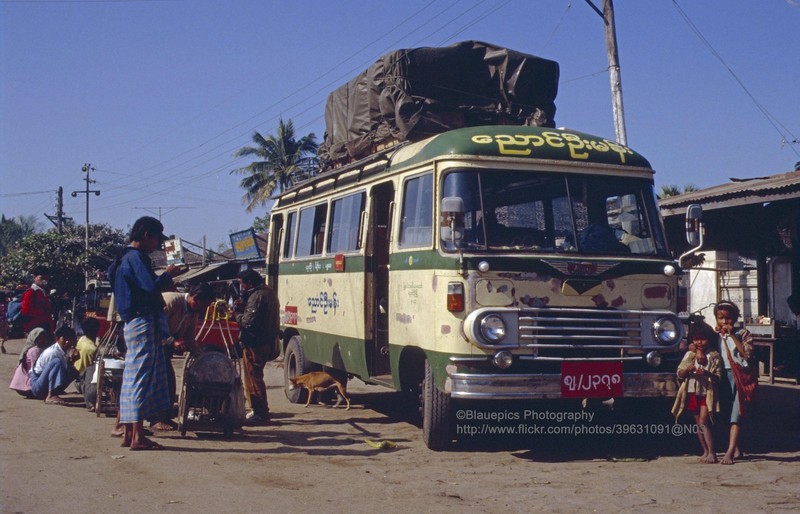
x=35, y=344
x=53, y=371
x=87, y=348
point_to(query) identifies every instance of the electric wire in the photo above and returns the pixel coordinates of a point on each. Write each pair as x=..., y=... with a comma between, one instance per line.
x=770, y=118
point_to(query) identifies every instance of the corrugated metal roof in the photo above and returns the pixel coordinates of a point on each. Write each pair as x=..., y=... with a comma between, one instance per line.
x=785, y=186
x=194, y=273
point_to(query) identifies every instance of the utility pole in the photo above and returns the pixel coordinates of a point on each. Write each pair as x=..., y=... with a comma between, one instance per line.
x=87, y=168
x=607, y=14
x=59, y=219
x=60, y=212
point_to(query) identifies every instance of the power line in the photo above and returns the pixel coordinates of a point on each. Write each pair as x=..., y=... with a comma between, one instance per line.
x=14, y=195
x=770, y=118
x=304, y=99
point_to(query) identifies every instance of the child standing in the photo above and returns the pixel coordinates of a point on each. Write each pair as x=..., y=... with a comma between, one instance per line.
x=735, y=345
x=701, y=372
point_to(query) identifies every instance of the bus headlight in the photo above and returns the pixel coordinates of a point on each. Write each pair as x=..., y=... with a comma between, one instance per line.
x=503, y=359
x=653, y=359
x=667, y=331
x=493, y=328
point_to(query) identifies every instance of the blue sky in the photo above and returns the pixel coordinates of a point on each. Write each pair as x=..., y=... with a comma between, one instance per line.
x=157, y=95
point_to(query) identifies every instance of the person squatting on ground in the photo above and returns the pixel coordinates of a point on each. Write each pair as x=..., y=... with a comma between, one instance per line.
x=53, y=370
x=259, y=322
x=182, y=311
x=37, y=311
x=87, y=349
x=701, y=372
x=734, y=345
x=35, y=344
x=137, y=291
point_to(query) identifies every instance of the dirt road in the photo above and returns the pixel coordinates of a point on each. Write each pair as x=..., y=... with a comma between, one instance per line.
x=61, y=459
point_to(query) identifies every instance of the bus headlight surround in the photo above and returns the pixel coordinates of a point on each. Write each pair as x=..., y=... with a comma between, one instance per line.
x=667, y=331
x=493, y=328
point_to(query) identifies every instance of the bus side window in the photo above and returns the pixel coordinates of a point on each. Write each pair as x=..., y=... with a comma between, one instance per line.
x=416, y=221
x=288, y=242
x=345, y=222
x=311, y=231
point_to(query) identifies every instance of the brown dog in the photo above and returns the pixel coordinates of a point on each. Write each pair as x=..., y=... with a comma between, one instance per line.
x=321, y=381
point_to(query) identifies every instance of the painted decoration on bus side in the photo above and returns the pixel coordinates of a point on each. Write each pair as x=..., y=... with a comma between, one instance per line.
x=521, y=142
x=324, y=303
x=580, y=148
x=290, y=315
x=317, y=266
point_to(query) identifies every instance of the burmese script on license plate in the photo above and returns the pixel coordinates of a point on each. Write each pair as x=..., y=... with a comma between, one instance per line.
x=591, y=379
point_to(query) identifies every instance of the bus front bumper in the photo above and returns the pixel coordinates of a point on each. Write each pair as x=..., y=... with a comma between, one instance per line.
x=537, y=386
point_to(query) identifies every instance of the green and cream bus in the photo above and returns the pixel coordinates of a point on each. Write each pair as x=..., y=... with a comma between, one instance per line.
x=484, y=263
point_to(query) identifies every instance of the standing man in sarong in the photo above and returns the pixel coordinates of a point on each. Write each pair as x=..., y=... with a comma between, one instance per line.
x=137, y=293
x=259, y=323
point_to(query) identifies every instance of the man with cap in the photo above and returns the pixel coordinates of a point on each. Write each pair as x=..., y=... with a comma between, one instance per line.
x=137, y=293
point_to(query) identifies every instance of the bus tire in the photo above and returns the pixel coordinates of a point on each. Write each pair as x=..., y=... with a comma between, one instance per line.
x=436, y=414
x=294, y=365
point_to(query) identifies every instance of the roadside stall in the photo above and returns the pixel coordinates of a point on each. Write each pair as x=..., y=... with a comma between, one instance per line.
x=751, y=256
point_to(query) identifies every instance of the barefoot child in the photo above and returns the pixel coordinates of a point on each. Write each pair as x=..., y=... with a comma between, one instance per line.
x=701, y=372
x=734, y=345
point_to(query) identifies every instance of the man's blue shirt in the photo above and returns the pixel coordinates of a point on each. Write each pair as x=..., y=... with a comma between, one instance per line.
x=137, y=289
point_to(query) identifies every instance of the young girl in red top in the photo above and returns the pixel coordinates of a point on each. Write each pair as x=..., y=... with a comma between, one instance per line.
x=701, y=370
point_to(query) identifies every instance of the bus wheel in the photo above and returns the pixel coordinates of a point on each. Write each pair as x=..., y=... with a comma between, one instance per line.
x=436, y=414
x=294, y=365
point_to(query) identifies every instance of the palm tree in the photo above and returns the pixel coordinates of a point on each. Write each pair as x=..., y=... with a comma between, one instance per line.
x=283, y=161
x=672, y=190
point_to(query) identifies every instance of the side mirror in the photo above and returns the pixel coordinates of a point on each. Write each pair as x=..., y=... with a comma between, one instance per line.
x=452, y=221
x=694, y=224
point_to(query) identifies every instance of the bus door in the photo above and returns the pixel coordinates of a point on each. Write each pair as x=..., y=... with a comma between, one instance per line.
x=274, y=251
x=377, y=278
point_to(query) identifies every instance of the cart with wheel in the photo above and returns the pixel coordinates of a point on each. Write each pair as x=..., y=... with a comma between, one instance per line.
x=211, y=397
x=108, y=371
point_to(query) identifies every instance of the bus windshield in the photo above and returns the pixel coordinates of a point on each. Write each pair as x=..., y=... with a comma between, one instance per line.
x=543, y=212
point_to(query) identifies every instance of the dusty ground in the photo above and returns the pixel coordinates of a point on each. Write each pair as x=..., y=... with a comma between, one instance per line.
x=61, y=459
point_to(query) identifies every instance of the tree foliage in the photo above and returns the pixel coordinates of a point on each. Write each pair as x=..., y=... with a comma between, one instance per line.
x=261, y=224
x=13, y=230
x=673, y=190
x=282, y=161
x=64, y=254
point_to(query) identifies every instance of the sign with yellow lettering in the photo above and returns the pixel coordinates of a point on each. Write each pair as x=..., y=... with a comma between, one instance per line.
x=244, y=245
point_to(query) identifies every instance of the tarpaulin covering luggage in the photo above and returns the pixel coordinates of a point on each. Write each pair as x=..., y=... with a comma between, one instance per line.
x=416, y=93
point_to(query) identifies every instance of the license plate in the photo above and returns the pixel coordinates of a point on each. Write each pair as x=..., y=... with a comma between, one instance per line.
x=591, y=379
